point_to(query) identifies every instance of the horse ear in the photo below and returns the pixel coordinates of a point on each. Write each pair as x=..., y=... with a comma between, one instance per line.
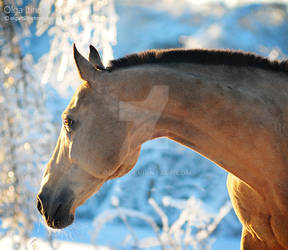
x=85, y=68
x=94, y=58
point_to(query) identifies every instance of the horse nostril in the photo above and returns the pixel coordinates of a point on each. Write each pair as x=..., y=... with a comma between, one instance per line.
x=39, y=205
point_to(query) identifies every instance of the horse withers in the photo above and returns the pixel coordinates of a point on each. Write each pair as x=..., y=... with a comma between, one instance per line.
x=229, y=106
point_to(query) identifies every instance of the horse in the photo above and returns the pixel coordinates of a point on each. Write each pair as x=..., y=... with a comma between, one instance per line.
x=229, y=106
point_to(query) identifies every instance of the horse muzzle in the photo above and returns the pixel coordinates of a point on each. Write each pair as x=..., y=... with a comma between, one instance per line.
x=56, y=209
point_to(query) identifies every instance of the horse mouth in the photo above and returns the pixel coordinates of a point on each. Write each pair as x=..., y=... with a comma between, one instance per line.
x=57, y=214
x=61, y=219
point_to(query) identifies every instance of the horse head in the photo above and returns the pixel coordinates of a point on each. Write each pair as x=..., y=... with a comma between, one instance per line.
x=93, y=146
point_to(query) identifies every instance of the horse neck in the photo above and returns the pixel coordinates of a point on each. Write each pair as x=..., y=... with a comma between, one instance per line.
x=226, y=114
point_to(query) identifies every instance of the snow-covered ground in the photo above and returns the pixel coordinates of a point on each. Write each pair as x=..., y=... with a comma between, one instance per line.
x=79, y=238
x=36, y=243
x=39, y=243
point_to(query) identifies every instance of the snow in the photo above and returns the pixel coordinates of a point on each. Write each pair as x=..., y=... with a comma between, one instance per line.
x=36, y=243
x=117, y=231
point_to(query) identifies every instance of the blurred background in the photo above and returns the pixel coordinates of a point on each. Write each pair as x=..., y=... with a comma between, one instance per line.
x=173, y=198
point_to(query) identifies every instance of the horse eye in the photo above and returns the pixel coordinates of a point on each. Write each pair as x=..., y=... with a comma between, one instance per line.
x=68, y=123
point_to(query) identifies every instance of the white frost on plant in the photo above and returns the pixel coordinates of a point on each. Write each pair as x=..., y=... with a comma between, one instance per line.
x=111, y=214
x=83, y=22
x=26, y=136
x=192, y=228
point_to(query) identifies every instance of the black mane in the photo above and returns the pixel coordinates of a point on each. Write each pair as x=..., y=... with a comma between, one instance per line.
x=199, y=56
